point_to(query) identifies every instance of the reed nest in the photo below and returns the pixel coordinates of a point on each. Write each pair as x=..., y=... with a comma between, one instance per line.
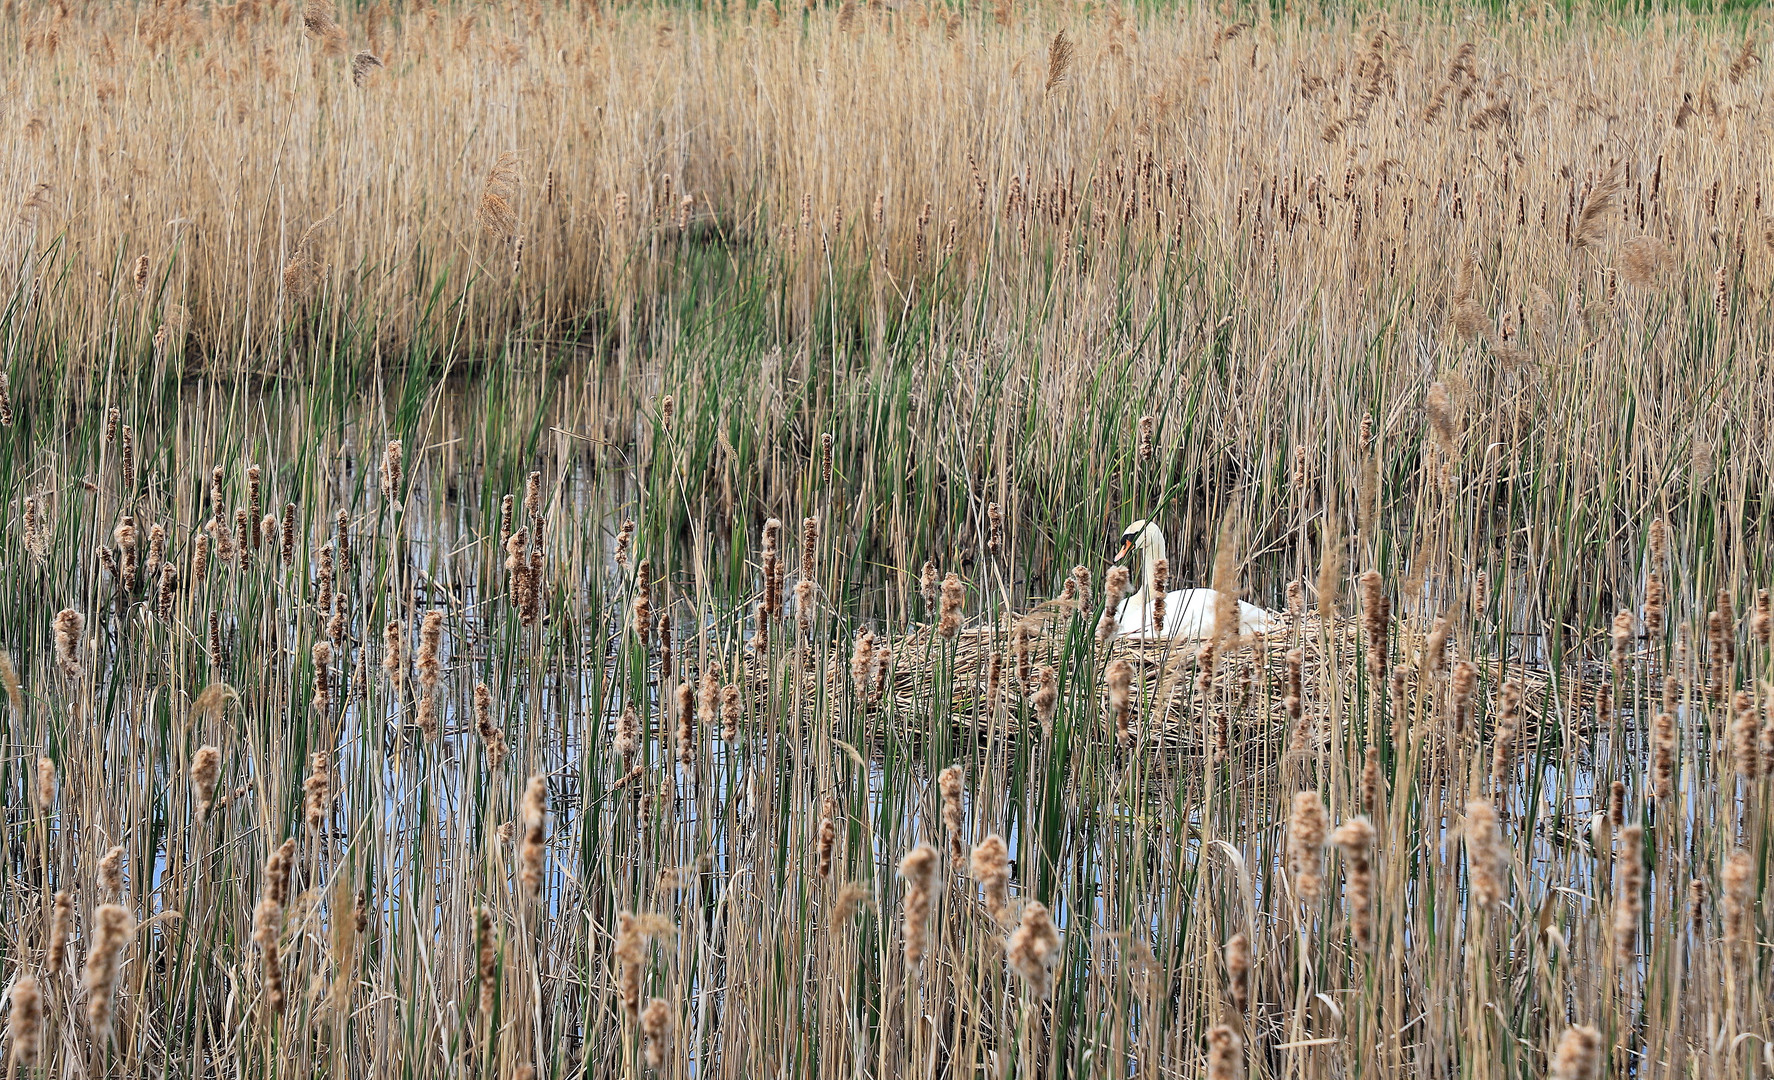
x=1175, y=707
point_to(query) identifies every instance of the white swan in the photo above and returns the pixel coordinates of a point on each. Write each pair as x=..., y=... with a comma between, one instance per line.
x=1188, y=613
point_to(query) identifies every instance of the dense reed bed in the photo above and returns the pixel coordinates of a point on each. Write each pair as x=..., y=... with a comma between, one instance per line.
x=567, y=541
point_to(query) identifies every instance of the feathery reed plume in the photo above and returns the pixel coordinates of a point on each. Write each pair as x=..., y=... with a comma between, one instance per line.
x=952, y=593
x=1745, y=729
x=953, y=785
x=70, y=627
x=27, y=1022
x=112, y=930
x=1225, y=1054
x=61, y=926
x=1059, y=61
x=1461, y=689
x=394, y=636
x=642, y=620
x=1487, y=866
x=45, y=785
x=919, y=871
x=1114, y=588
x=1592, y=219
x=317, y=792
x=1306, y=828
x=991, y=868
x=1579, y=1049
x=364, y=67
x=1356, y=838
x=1033, y=949
x=828, y=835
x=1045, y=700
x=1237, y=952
x=1740, y=64
x=1503, y=740
x=1119, y=680
x=535, y=819
x=496, y=216
x=1663, y=756
x=1629, y=887
x=1736, y=903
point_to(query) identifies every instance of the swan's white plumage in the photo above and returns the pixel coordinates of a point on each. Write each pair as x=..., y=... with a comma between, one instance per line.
x=1188, y=613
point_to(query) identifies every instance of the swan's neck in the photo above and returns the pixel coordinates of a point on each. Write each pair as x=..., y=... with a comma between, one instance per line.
x=1151, y=550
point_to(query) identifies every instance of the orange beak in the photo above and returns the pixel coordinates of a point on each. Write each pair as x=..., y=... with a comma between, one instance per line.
x=1125, y=549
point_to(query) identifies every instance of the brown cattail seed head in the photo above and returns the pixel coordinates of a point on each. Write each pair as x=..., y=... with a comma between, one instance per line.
x=535, y=821
x=61, y=926
x=1579, y=1048
x=1629, y=886
x=1119, y=680
x=70, y=627
x=1487, y=866
x=656, y=1029
x=1306, y=828
x=952, y=593
x=953, y=785
x=27, y=1020
x=991, y=868
x=113, y=928
x=1033, y=949
x=1225, y=1054
x=1238, y=973
x=919, y=870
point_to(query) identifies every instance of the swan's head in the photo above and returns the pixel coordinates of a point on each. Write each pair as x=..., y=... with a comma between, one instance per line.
x=1132, y=540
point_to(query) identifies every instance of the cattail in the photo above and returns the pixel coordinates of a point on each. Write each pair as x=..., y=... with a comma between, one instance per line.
x=1114, y=588
x=687, y=727
x=1160, y=593
x=535, y=820
x=111, y=873
x=126, y=461
x=491, y=737
x=1721, y=294
x=391, y=463
x=486, y=952
x=125, y=536
x=206, y=767
x=317, y=799
x=825, y=460
x=1735, y=901
x=1486, y=865
x=927, y=584
x=994, y=529
x=1761, y=624
x=1744, y=732
x=45, y=785
x=1435, y=648
x=1225, y=1054
x=1376, y=617
x=1663, y=756
x=862, y=660
x=994, y=676
x=1503, y=745
x=27, y=1021
x=632, y=932
x=394, y=637
x=6, y=416
x=1033, y=949
x=323, y=679
x=1022, y=637
x=642, y=620
x=342, y=542
x=953, y=785
x=430, y=635
x=624, y=539
x=1461, y=689
x=1579, y=1049
x=771, y=606
x=656, y=1029
x=828, y=835
x=1237, y=954
x=1356, y=838
x=919, y=871
x=156, y=553
x=1628, y=895
x=730, y=710
x=70, y=627
x=199, y=557
x=112, y=930
x=627, y=743
x=952, y=593
x=1081, y=581
x=35, y=537
x=1306, y=828
x=61, y=926
x=1119, y=679
x=991, y=868
x=1146, y=448
x=1046, y=699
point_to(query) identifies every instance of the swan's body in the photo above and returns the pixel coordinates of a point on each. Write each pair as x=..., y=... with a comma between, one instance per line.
x=1188, y=613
